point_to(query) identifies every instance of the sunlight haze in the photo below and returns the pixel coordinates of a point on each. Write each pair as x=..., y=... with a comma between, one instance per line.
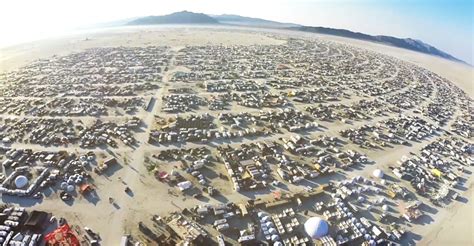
x=428, y=21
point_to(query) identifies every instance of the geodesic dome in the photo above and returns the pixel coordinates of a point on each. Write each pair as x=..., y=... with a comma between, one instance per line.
x=316, y=227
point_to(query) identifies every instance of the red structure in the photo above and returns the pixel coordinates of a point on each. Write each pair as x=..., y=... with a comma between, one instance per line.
x=62, y=236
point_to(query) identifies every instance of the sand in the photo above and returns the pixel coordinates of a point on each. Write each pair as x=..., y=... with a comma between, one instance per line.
x=453, y=225
x=15, y=56
x=456, y=228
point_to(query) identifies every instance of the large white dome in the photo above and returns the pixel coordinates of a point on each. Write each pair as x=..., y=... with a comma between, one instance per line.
x=21, y=181
x=316, y=227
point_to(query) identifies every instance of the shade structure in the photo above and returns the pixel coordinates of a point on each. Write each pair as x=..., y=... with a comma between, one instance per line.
x=63, y=235
x=316, y=227
x=21, y=181
x=378, y=173
x=70, y=188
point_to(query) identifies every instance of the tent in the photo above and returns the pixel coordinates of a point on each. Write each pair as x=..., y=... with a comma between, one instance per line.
x=436, y=172
x=21, y=181
x=316, y=227
x=272, y=231
x=277, y=195
x=378, y=173
x=70, y=188
x=162, y=175
x=184, y=185
x=85, y=188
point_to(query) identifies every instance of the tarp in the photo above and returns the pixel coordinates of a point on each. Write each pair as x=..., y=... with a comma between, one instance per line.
x=36, y=220
x=436, y=172
x=62, y=236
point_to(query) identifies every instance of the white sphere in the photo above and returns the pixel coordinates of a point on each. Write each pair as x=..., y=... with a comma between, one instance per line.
x=316, y=227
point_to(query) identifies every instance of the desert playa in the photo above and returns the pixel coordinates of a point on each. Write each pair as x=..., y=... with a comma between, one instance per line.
x=192, y=133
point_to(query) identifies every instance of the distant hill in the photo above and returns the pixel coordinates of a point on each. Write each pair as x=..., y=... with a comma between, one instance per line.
x=249, y=21
x=186, y=17
x=183, y=17
x=405, y=43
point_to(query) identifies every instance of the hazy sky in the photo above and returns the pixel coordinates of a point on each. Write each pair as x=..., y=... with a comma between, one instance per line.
x=445, y=24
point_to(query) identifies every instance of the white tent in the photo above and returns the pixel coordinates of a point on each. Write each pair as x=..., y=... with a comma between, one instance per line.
x=184, y=185
x=378, y=173
x=316, y=227
x=21, y=181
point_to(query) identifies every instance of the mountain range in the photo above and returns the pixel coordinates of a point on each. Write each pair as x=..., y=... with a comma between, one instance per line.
x=185, y=17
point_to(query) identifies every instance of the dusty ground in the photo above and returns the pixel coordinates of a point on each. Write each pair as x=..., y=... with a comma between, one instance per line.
x=151, y=196
x=15, y=56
